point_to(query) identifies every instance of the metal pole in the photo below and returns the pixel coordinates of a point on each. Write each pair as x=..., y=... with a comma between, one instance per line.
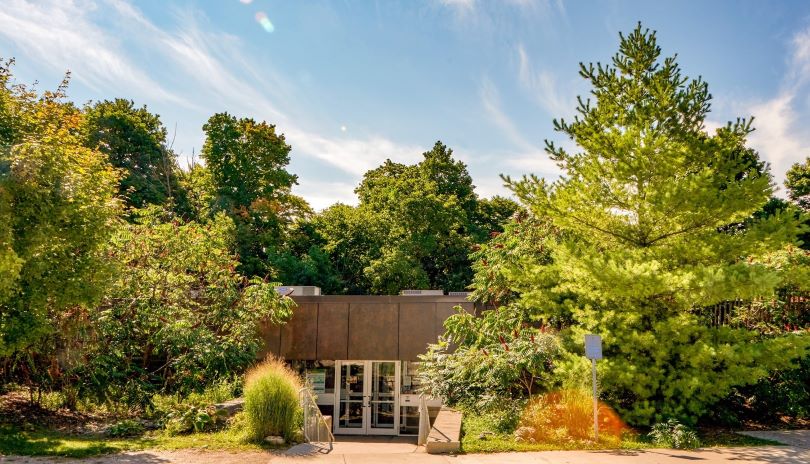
x=595, y=404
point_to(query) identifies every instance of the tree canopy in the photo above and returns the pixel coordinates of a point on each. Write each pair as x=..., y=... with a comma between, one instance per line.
x=643, y=213
x=798, y=184
x=133, y=140
x=59, y=210
x=414, y=227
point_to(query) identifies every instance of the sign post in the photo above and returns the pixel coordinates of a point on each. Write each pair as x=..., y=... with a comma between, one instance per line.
x=593, y=351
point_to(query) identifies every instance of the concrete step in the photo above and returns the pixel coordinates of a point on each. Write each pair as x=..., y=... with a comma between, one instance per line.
x=445, y=435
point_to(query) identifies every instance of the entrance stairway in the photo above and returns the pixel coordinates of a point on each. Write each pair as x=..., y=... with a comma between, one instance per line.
x=445, y=435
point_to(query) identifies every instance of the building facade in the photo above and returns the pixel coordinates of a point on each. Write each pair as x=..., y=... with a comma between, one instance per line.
x=360, y=354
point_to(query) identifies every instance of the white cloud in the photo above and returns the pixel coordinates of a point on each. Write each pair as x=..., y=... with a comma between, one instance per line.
x=484, y=17
x=491, y=101
x=321, y=195
x=537, y=163
x=459, y=4
x=354, y=156
x=782, y=134
x=800, y=60
x=778, y=137
x=527, y=157
x=543, y=88
x=210, y=65
x=60, y=35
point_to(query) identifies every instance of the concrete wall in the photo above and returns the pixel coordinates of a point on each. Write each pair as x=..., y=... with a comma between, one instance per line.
x=361, y=327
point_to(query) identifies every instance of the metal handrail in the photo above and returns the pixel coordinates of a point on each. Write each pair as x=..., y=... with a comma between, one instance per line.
x=424, y=421
x=313, y=417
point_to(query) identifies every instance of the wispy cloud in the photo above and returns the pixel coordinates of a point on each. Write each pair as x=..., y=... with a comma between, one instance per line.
x=482, y=16
x=491, y=101
x=321, y=195
x=542, y=86
x=465, y=5
x=195, y=62
x=527, y=156
x=782, y=134
x=61, y=35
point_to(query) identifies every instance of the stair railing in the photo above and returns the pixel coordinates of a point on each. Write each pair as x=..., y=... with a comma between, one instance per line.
x=316, y=429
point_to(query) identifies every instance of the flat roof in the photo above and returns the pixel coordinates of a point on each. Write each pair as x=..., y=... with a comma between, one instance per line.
x=380, y=299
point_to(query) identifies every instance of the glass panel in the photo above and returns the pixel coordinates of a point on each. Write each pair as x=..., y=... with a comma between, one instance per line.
x=409, y=420
x=321, y=376
x=410, y=382
x=382, y=415
x=384, y=380
x=383, y=394
x=352, y=415
x=351, y=396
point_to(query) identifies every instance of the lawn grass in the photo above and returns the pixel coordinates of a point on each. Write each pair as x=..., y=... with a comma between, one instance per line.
x=478, y=436
x=14, y=441
x=727, y=438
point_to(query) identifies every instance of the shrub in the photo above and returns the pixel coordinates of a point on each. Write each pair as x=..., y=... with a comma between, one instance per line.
x=125, y=428
x=271, y=400
x=481, y=376
x=195, y=412
x=177, y=314
x=566, y=416
x=673, y=434
x=187, y=418
x=783, y=394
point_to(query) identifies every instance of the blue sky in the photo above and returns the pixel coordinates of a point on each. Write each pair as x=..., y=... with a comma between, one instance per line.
x=352, y=83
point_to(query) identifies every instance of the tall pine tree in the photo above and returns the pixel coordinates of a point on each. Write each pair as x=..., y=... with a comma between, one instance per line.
x=646, y=212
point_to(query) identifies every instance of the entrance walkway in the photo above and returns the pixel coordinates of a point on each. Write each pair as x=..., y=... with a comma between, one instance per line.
x=401, y=450
x=354, y=445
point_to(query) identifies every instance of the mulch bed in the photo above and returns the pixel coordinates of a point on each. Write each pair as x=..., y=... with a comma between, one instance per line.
x=17, y=410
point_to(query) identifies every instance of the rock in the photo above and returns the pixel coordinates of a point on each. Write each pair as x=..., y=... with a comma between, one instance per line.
x=525, y=433
x=275, y=440
x=229, y=408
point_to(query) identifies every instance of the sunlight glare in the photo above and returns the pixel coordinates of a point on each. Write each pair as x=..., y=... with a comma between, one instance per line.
x=262, y=18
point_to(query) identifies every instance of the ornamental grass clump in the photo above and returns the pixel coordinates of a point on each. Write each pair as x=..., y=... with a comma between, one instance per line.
x=271, y=400
x=673, y=434
x=565, y=417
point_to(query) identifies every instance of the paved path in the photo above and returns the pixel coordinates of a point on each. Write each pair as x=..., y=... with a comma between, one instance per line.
x=403, y=451
x=797, y=438
x=758, y=455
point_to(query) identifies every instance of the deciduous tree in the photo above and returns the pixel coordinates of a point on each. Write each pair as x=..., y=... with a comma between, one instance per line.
x=59, y=210
x=247, y=164
x=134, y=140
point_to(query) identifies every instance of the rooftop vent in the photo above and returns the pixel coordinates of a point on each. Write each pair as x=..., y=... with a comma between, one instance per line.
x=299, y=290
x=421, y=292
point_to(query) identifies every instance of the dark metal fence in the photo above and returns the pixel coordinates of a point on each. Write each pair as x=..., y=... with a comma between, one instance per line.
x=788, y=310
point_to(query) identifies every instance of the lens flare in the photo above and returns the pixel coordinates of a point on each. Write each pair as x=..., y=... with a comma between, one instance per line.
x=565, y=416
x=264, y=21
x=246, y=2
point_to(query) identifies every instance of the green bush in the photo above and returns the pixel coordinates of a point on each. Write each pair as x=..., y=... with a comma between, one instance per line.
x=482, y=375
x=125, y=428
x=673, y=434
x=187, y=418
x=271, y=400
x=784, y=393
x=194, y=412
x=177, y=315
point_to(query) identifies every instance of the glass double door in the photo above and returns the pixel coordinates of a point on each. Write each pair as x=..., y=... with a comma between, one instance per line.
x=367, y=397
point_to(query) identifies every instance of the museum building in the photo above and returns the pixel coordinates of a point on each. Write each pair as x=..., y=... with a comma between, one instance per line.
x=359, y=353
